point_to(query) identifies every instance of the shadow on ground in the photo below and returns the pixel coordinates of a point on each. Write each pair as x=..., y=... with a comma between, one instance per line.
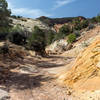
x=47, y=64
x=24, y=81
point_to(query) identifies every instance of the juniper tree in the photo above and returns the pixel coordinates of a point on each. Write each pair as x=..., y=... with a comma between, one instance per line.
x=4, y=17
x=37, y=41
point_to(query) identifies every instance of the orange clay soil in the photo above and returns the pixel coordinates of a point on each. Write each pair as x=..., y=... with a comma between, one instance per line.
x=85, y=73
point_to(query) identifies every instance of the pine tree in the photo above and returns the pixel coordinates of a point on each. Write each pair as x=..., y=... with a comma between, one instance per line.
x=4, y=17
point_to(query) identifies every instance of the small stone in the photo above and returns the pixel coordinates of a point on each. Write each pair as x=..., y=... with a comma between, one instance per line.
x=98, y=65
x=4, y=95
x=69, y=93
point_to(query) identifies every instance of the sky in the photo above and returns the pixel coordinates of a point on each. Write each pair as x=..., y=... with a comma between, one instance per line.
x=54, y=8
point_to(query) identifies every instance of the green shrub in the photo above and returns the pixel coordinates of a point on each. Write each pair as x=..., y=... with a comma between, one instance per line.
x=80, y=24
x=59, y=36
x=5, y=22
x=71, y=38
x=40, y=39
x=84, y=24
x=76, y=23
x=17, y=36
x=91, y=26
x=77, y=33
x=49, y=37
x=63, y=32
x=95, y=19
x=98, y=18
x=65, y=29
x=77, y=27
x=37, y=41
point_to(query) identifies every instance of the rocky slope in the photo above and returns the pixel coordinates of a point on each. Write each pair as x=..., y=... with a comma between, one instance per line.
x=57, y=47
x=86, y=66
x=86, y=38
x=28, y=23
x=84, y=75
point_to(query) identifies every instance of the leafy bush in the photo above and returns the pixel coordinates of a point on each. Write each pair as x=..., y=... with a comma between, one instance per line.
x=80, y=24
x=77, y=33
x=84, y=24
x=37, y=41
x=49, y=37
x=95, y=19
x=91, y=26
x=76, y=23
x=16, y=17
x=17, y=36
x=71, y=38
x=98, y=18
x=59, y=36
x=65, y=29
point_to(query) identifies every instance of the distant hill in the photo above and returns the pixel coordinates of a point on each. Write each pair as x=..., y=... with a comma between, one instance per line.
x=53, y=21
x=29, y=23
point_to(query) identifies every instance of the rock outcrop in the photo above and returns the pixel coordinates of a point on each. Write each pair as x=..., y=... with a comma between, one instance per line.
x=28, y=23
x=86, y=38
x=85, y=73
x=4, y=95
x=57, y=47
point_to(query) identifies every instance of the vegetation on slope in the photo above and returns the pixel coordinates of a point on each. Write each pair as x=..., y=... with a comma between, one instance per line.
x=53, y=21
x=40, y=38
x=71, y=38
x=5, y=22
x=84, y=69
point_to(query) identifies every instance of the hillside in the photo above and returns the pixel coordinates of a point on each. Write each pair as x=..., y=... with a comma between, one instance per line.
x=28, y=23
x=49, y=58
x=44, y=22
x=85, y=69
x=36, y=77
x=57, y=23
x=44, y=64
x=83, y=75
x=53, y=21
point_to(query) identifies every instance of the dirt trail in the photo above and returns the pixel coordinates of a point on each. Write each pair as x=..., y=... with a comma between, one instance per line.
x=37, y=81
